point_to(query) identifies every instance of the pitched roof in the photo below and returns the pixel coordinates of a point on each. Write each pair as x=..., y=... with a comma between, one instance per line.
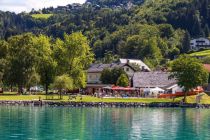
x=101, y=67
x=152, y=79
x=207, y=67
x=135, y=61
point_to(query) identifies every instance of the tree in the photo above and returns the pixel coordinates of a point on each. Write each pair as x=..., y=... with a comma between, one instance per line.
x=63, y=82
x=109, y=57
x=206, y=30
x=153, y=51
x=189, y=73
x=115, y=74
x=196, y=28
x=123, y=80
x=33, y=80
x=3, y=58
x=46, y=63
x=206, y=60
x=166, y=30
x=110, y=76
x=186, y=42
x=74, y=56
x=22, y=57
x=106, y=76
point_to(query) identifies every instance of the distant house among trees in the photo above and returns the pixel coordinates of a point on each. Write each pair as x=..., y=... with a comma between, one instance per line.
x=199, y=43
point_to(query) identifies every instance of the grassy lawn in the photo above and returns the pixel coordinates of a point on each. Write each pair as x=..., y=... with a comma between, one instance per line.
x=205, y=99
x=201, y=53
x=14, y=97
x=41, y=16
x=190, y=99
x=142, y=100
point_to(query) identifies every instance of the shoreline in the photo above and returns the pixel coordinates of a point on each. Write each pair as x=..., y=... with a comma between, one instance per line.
x=103, y=104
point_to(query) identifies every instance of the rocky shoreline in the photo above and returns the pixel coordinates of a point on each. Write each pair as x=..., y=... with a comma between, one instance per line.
x=103, y=104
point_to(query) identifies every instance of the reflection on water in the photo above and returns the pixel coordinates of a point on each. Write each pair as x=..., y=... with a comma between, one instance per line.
x=34, y=123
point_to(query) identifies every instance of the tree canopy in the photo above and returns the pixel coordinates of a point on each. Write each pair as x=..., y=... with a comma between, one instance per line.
x=28, y=60
x=124, y=28
x=189, y=73
x=123, y=81
x=110, y=76
x=63, y=82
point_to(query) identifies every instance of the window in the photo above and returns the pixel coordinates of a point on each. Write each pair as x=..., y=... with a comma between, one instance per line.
x=90, y=76
x=127, y=69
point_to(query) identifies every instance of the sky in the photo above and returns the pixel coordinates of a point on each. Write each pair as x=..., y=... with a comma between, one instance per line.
x=26, y=5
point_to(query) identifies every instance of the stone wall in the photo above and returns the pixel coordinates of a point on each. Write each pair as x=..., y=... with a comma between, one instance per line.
x=102, y=104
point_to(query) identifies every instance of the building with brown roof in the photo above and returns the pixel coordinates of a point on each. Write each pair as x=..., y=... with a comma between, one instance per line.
x=152, y=79
x=148, y=81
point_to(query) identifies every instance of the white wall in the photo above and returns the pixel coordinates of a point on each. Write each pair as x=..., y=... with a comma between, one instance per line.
x=175, y=88
x=129, y=71
x=93, y=78
x=194, y=43
x=138, y=62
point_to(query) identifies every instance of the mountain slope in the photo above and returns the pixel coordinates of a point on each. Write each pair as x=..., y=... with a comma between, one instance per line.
x=152, y=30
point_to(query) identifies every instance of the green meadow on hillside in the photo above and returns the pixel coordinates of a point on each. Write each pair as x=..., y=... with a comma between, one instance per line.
x=41, y=16
x=201, y=53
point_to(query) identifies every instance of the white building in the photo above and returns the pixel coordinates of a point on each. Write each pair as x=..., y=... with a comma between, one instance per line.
x=174, y=88
x=196, y=44
x=142, y=65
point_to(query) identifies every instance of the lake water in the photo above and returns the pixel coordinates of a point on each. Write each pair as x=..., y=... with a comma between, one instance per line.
x=48, y=123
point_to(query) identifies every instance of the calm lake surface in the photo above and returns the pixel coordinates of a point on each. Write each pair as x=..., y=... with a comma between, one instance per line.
x=48, y=123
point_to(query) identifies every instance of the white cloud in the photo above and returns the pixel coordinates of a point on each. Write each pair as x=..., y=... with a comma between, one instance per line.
x=26, y=5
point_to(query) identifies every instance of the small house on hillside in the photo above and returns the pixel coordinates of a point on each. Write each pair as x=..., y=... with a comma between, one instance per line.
x=198, y=43
x=150, y=81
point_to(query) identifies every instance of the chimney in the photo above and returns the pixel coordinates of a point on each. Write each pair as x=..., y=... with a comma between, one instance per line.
x=128, y=61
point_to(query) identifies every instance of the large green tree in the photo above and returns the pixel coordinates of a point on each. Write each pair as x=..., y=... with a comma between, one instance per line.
x=3, y=58
x=74, y=56
x=46, y=64
x=22, y=58
x=189, y=73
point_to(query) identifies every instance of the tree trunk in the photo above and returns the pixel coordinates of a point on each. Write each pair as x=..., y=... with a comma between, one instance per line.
x=185, y=96
x=11, y=88
x=60, y=94
x=46, y=88
x=20, y=89
x=46, y=83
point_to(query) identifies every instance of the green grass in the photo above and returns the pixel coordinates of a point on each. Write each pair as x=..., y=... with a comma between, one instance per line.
x=21, y=97
x=201, y=53
x=41, y=16
x=142, y=100
x=12, y=97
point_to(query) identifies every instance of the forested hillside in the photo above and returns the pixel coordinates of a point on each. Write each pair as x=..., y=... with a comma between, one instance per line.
x=152, y=30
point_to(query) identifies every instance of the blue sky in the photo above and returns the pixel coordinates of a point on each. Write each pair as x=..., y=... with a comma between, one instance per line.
x=26, y=5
